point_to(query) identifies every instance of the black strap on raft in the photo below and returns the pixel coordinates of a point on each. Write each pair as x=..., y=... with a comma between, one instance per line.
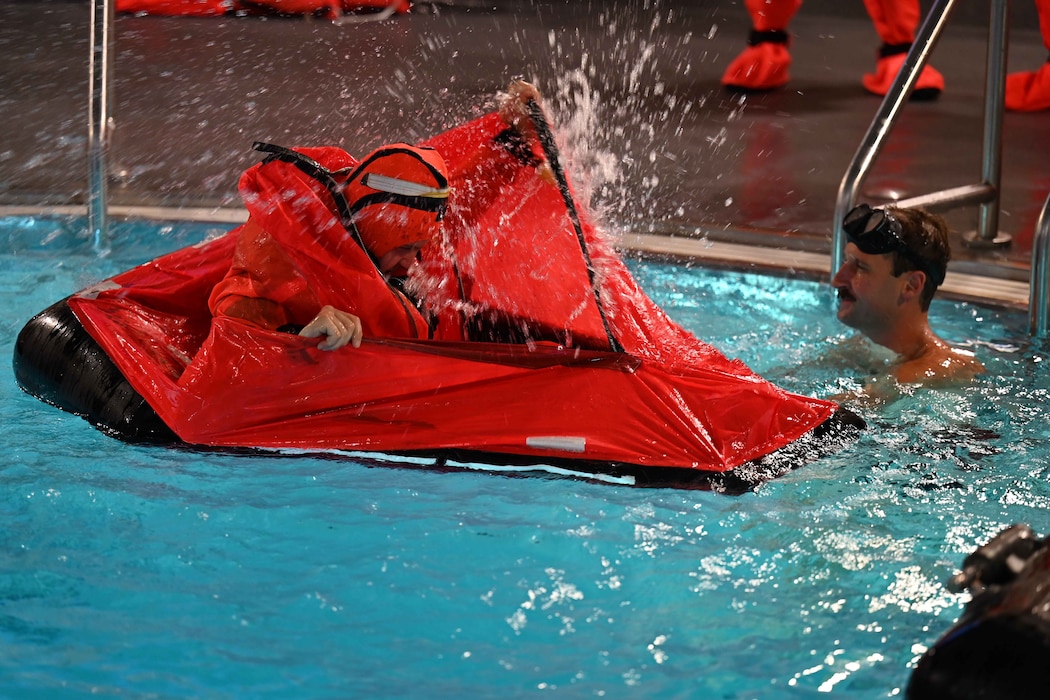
x=513, y=143
x=323, y=175
x=550, y=149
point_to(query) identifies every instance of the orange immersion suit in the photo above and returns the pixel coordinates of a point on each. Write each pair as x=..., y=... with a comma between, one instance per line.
x=764, y=64
x=274, y=283
x=1029, y=91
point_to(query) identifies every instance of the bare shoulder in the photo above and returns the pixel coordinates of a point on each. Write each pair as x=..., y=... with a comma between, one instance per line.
x=942, y=365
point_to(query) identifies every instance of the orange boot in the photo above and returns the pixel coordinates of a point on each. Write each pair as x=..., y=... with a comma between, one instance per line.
x=764, y=64
x=1030, y=91
x=896, y=22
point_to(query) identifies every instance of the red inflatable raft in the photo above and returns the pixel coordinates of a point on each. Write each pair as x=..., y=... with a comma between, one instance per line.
x=546, y=351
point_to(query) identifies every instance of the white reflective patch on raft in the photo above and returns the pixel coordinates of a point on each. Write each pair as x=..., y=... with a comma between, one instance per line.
x=92, y=292
x=563, y=443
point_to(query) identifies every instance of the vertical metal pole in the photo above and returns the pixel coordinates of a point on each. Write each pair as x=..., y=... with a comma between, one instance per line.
x=994, y=96
x=98, y=116
x=1038, y=282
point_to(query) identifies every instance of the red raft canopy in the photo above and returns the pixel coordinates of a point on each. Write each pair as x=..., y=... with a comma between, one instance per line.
x=604, y=381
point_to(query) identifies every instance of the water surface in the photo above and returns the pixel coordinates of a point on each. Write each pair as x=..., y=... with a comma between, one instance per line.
x=148, y=572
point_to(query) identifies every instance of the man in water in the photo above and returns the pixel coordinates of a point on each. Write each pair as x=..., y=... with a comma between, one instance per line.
x=895, y=261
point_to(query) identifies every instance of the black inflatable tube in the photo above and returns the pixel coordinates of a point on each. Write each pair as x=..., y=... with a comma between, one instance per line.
x=58, y=362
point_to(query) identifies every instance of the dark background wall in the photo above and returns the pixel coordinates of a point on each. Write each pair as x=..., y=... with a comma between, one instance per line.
x=970, y=12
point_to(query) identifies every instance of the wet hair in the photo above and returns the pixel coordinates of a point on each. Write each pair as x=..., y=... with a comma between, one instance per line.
x=926, y=236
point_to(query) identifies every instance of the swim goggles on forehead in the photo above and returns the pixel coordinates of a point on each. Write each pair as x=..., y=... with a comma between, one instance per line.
x=877, y=232
x=874, y=231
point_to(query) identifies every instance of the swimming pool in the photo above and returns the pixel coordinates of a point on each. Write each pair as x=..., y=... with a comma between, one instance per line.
x=147, y=572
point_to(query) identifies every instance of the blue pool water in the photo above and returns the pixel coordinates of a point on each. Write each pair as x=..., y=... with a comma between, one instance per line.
x=147, y=572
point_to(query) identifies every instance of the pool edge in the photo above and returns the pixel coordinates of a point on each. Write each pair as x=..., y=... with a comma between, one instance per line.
x=960, y=286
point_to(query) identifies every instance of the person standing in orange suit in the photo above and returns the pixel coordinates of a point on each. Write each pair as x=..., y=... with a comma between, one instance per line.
x=765, y=63
x=1029, y=91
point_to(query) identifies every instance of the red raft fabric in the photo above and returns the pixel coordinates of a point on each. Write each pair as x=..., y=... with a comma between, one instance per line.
x=667, y=400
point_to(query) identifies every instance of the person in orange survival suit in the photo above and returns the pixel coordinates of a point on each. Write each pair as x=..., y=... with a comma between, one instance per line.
x=764, y=64
x=265, y=288
x=396, y=196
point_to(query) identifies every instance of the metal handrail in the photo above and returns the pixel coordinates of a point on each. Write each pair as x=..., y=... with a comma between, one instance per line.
x=986, y=192
x=1039, y=277
x=100, y=62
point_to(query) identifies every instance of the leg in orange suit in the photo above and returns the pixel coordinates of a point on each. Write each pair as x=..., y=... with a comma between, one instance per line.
x=1030, y=91
x=764, y=64
x=896, y=22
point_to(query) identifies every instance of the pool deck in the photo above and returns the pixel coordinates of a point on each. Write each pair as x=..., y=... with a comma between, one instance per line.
x=677, y=165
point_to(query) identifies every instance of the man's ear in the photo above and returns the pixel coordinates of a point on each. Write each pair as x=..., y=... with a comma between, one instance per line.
x=914, y=281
